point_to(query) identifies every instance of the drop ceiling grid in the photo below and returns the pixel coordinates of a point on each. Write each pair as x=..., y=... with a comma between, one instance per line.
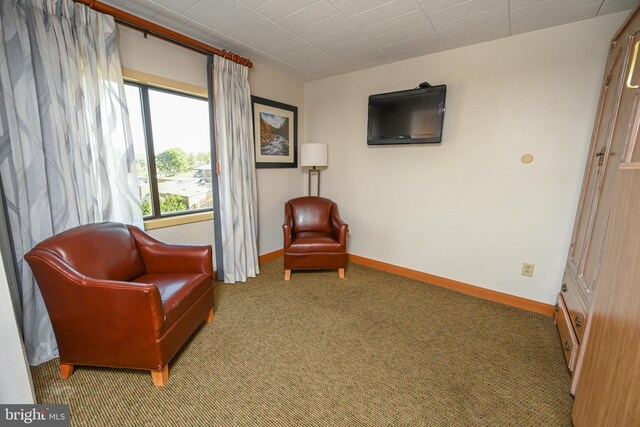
x=319, y=38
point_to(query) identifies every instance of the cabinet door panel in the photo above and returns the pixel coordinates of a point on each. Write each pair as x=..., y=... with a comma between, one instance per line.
x=601, y=137
x=613, y=156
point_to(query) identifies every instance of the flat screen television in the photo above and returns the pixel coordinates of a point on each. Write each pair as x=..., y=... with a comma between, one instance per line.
x=412, y=116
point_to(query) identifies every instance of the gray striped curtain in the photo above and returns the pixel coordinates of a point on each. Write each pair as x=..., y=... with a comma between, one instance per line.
x=66, y=152
x=237, y=176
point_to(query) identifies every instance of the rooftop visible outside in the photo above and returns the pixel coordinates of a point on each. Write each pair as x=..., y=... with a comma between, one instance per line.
x=181, y=142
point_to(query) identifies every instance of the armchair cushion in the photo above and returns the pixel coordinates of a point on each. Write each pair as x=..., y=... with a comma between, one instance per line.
x=178, y=292
x=315, y=241
x=311, y=214
x=108, y=252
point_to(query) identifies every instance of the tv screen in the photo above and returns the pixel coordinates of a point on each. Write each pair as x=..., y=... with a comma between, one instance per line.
x=412, y=116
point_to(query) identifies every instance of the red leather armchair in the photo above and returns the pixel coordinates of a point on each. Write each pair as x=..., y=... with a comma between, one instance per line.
x=119, y=298
x=315, y=237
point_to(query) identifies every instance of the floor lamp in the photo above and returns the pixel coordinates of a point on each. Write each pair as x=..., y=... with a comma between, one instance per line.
x=313, y=156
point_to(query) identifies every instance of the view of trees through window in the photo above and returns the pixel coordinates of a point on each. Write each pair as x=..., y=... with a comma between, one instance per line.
x=177, y=128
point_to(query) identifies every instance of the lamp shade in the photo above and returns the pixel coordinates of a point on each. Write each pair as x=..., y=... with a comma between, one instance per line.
x=313, y=154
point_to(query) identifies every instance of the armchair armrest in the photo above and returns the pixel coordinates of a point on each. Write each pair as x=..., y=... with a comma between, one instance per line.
x=287, y=227
x=338, y=227
x=160, y=257
x=83, y=305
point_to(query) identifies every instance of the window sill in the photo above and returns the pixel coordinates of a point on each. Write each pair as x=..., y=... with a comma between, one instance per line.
x=152, y=224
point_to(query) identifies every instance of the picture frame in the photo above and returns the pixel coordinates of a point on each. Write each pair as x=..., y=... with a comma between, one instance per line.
x=275, y=133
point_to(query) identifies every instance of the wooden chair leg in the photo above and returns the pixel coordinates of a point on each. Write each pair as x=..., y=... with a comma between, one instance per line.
x=66, y=370
x=287, y=274
x=209, y=318
x=341, y=273
x=160, y=377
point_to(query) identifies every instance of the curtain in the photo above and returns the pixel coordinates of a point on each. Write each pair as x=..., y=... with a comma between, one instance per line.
x=66, y=151
x=236, y=170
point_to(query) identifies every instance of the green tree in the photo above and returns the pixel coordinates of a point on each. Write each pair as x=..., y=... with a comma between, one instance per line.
x=172, y=203
x=146, y=207
x=172, y=161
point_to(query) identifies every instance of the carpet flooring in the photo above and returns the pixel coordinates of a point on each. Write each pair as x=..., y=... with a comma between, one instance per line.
x=373, y=349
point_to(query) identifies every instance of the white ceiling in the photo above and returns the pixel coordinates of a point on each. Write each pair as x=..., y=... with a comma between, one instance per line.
x=312, y=39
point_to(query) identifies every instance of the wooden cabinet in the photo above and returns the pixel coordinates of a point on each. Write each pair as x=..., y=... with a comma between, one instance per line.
x=608, y=393
x=615, y=128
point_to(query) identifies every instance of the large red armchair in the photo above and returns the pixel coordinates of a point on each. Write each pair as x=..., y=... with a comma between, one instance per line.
x=315, y=237
x=119, y=298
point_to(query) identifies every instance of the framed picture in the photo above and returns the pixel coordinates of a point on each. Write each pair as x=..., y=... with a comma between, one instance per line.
x=275, y=133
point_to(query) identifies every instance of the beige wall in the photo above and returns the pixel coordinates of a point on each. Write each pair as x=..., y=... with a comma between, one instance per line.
x=468, y=209
x=275, y=186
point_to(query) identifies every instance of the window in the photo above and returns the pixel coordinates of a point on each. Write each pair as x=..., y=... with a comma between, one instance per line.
x=172, y=129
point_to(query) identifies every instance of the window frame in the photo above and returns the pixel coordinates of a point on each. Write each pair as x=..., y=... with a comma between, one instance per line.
x=143, y=89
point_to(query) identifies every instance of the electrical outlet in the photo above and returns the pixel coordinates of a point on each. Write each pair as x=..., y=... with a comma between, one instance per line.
x=527, y=269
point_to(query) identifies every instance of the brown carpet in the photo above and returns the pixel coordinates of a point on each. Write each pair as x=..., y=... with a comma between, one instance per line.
x=373, y=349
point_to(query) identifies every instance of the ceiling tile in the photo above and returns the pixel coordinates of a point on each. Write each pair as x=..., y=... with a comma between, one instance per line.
x=353, y=7
x=254, y=4
x=273, y=39
x=256, y=30
x=142, y=8
x=289, y=46
x=410, y=19
x=307, y=16
x=323, y=27
x=170, y=19
x=553, y=6
x=490, y=18
x=235, y=19
x=336, y=37
x=309, y=55
x=406, y=33
x=434, y=5
x=358, y=58
x=398, y=55
x=220, y=41
x=206, y=11
x=176, y=5
x=469, y=8
x=385, y=12
x=359, y=43
x=369, y=64
x=412, y=43
x=278, y=9
x=278, y=65
x=565, y=4
x=616, y=6
x=473, y=35
x=355, y=53
x=196, y=30
x=532, y=18
x=327, y=65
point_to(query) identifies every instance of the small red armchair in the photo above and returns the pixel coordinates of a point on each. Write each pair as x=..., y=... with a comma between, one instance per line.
x=119, y=298
x=315, y=237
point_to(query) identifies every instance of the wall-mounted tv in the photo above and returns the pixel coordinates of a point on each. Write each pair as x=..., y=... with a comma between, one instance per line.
x=412, y=116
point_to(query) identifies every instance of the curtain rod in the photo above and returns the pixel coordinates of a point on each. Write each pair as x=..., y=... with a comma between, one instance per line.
x=149, y=27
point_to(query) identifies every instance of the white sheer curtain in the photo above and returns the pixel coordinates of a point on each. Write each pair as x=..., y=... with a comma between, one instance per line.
x=237, y=174
x=66, y=152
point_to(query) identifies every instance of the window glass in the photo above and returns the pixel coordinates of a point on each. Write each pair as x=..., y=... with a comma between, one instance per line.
x=179, y=180
x=134, y=104
x=180, y=126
